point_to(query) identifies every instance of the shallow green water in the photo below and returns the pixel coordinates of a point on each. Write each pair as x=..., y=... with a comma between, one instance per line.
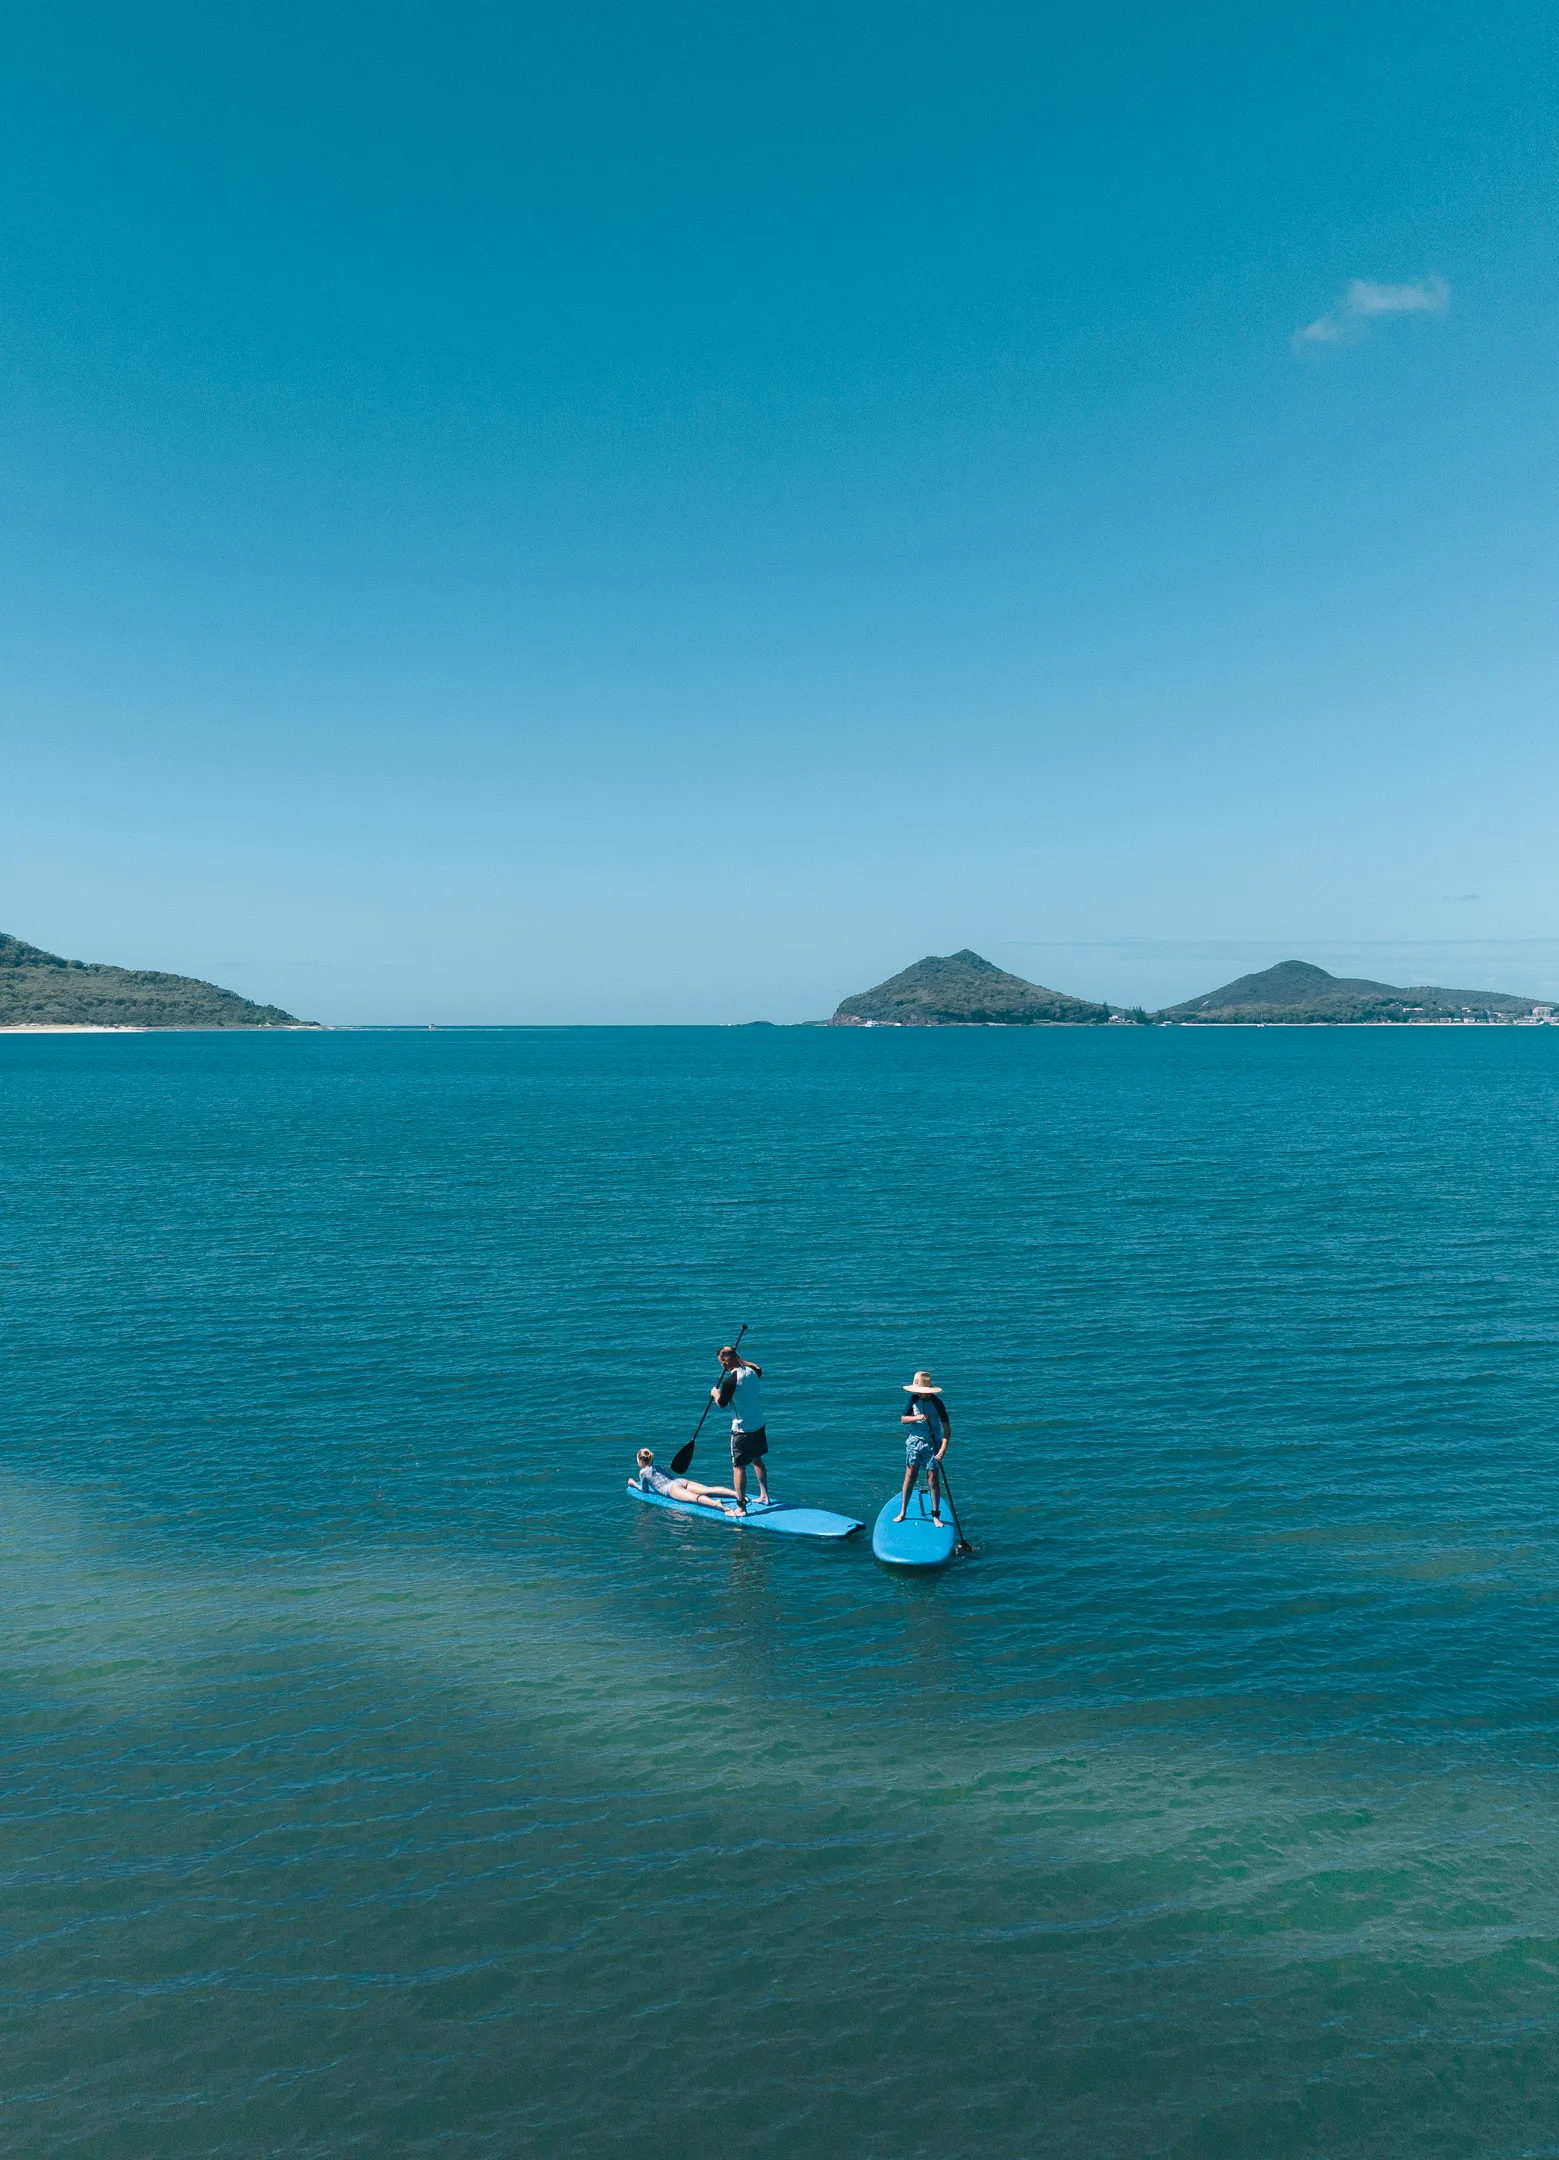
x=379, y=1780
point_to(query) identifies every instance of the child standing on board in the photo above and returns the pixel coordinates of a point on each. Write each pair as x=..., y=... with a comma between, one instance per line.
x=930, y=1429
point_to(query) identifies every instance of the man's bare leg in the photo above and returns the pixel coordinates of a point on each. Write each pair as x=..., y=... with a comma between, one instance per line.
x=909, y=1480
x=739, y=1481
x=763, y=1480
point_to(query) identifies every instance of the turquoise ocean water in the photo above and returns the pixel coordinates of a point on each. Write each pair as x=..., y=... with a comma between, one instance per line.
x=378, y=1780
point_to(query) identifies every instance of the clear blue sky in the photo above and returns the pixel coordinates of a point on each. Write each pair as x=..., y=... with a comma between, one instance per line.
x=671, y=513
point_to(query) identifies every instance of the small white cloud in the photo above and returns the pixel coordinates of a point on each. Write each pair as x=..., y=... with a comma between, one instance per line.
x=1365, y=302
x=1430, y=296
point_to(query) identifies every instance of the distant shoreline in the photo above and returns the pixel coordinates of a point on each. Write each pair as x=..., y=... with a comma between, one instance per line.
x=98, y=1027
x=1199, y=1027
x=903, y=1027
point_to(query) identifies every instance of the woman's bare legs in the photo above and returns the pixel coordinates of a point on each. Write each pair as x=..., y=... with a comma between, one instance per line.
x=689, y=1489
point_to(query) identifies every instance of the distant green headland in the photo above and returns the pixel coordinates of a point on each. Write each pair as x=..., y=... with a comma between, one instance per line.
x=39, y=989
x=962, y=990
x=1295, y=991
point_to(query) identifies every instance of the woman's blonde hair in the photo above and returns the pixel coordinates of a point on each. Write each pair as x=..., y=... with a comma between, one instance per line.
x=646, y=1454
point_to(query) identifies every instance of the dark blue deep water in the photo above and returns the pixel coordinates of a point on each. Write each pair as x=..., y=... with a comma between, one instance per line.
x=378, y=1780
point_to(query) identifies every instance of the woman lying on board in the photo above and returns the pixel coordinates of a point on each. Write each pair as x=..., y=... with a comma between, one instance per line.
x=680, y=1488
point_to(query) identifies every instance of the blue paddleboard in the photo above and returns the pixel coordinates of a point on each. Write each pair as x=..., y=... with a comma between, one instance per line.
x=778, y=1515
x=917, y=1541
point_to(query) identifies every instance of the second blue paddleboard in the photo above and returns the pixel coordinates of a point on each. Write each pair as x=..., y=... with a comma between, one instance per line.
x=916, y=1542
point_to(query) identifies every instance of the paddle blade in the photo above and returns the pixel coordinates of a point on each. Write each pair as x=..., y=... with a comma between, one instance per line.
x=681, y=1459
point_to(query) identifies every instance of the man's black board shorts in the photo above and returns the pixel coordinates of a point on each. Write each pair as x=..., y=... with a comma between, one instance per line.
x=746, y=1447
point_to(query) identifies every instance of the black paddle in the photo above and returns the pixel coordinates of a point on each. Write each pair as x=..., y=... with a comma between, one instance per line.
x=684, y=1455
x=963, y=1545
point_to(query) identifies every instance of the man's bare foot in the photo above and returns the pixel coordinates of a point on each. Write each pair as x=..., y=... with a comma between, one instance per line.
x=939, y=1522
x=899, y=1517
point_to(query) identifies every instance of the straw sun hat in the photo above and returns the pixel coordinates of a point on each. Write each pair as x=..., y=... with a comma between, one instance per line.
x=922, y=1384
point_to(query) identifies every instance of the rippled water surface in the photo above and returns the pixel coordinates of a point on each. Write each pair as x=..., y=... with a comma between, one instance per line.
x=378, y=1780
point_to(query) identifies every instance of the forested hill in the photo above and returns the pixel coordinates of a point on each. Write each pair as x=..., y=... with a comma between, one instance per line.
x=39, y=989
x=1296, y=993
x=962, y=990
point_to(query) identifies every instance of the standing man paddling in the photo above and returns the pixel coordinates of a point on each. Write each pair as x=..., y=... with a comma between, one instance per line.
x=740, y=1393
x=930, y=1429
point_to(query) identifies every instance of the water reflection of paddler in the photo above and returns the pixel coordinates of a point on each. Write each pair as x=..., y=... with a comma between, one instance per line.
x=740, y=1393
x=680, y=1488
x=930, y=1429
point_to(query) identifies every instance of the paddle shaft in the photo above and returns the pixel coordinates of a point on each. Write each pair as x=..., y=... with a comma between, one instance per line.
x=963, y=1543
x=684, y=1455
